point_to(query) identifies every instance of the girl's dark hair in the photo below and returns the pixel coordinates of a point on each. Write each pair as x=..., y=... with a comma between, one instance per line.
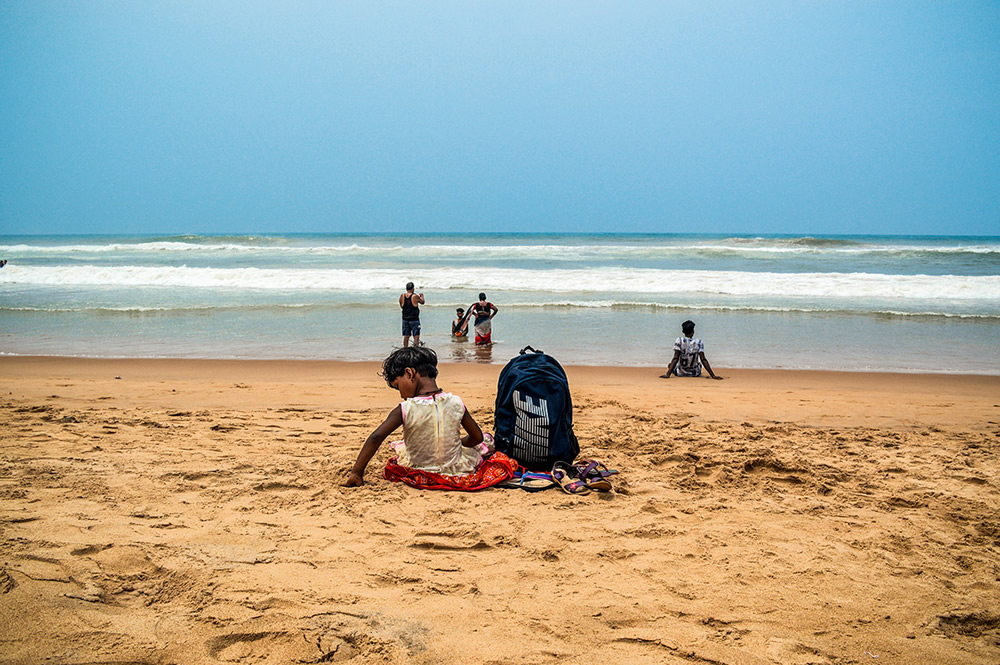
x=687, y=326
x=423, y=361
x=482, y=296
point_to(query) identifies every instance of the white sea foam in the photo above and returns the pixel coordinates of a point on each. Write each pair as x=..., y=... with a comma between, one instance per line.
x=310, y=295
x=508, y=305
x=164, y=247
x=847, y=286
x=570, y=251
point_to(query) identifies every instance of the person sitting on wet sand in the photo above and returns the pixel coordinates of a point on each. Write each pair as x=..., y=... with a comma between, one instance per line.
x=689, y=355
x=433, y=453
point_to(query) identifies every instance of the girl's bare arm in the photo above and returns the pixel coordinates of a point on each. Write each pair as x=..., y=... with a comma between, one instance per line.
x=372, y=443
x=475, y=436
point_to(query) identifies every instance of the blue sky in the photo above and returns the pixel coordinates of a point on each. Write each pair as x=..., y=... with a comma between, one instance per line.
x=716, y=117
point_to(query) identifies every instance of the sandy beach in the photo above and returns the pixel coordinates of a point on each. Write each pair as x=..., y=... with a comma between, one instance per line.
x=187, y=511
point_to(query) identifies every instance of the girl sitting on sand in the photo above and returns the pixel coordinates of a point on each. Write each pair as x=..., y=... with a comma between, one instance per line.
x=433, y=453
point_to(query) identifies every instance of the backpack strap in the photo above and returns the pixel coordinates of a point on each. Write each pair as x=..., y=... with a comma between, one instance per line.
x=529, y=348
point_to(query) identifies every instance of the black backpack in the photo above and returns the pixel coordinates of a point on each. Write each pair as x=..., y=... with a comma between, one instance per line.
x=533, y=422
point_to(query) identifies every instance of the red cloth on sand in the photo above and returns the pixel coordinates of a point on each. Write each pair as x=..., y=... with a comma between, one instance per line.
x=494, y=469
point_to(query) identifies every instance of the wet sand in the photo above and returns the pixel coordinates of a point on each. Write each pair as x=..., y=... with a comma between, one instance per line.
x=179, y=511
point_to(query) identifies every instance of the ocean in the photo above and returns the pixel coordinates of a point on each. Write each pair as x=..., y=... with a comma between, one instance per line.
x=910, y=304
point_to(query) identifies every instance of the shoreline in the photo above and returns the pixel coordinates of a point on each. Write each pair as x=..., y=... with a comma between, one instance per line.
x=499, y=364
x=31, y=357
x=822, y=397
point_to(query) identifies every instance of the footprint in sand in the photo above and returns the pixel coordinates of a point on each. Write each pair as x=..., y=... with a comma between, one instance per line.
x=89, y=549
x=711, y=473
x=277, y=486
x=333, y=637
x=126, y=561
x=271, y=647
x=969, y=624
x=793, y=652
x=7, y=582
x=449, y=540
x=770, y=467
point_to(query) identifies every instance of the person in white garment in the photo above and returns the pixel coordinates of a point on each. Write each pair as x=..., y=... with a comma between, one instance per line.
x=689, y=356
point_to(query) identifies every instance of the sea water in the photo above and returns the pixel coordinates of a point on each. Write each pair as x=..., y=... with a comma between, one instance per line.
x=928, y=304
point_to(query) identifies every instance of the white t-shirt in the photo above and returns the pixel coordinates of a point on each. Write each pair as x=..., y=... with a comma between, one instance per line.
x=689, y=363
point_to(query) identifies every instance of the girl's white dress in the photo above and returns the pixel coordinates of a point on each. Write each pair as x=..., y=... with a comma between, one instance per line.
x=432, y=436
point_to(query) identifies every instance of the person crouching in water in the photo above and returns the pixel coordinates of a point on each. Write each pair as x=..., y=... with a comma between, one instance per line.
x=689, y=355
x=460, y=326
x=432, y=421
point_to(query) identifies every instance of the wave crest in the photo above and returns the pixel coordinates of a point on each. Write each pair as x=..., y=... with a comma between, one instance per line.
x=844, y=286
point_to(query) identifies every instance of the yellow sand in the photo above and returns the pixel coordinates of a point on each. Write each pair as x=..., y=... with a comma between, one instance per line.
x=190, y=512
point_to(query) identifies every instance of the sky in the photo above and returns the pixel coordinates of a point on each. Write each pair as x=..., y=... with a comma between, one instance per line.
x=877, y=117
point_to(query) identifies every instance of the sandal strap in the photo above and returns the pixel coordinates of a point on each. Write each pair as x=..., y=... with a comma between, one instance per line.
x=593, y=468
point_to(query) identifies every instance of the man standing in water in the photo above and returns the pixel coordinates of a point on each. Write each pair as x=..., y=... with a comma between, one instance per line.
x=409, y=302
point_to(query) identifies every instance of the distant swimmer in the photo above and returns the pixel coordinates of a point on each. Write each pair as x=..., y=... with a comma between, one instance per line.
x=689, y=355
x=409, y=302
x=484, y=312
x=3, y=263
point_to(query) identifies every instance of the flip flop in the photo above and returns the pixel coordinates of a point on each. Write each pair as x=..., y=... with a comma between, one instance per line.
x=536, y=482
x=569, y=479
x=529, y=482
x=594, y=474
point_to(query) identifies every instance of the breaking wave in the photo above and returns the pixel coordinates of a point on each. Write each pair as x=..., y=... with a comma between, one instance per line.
x=850, y=286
